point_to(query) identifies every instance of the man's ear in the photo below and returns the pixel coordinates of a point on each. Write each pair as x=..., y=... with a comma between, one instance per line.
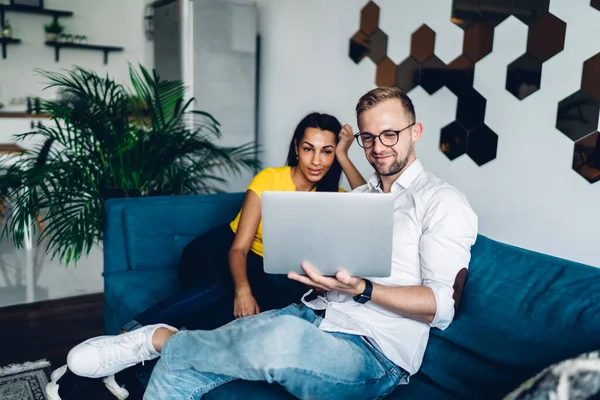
x=416, y=131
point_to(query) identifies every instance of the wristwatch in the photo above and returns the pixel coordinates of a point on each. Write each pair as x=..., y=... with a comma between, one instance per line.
x=366, y=294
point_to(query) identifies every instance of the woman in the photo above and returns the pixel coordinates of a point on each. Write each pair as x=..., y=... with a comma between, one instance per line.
x=221, y=272
x=227, y=262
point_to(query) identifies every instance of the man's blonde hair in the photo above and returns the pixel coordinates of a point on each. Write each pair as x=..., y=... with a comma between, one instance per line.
x=379, y=95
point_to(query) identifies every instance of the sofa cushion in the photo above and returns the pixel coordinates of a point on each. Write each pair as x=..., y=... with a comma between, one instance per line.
x=520, y=312
x=155, y=236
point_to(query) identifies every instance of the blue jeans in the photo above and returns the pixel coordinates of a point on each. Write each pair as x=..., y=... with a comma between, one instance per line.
x=282, y=346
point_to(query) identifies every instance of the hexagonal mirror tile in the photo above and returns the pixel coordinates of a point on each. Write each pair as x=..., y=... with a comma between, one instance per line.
x=482, y=144
x=546, y=37
x=586, y=157
x=369, y=18
x=453, y=140
x=465, y=12
x=385, y=74
x=358, y=47
x=459, y=75
x=422, y=43
x=433, y=75
x=496, y=11
x=529, y=11
x=470, y=110
x=408, y=74
x=590, y=78
x=523, y=76
x=577, y=115
x=377, y=43
x=478, y=40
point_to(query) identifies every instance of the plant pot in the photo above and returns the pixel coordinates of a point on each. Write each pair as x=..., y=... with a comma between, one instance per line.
x=51, y=37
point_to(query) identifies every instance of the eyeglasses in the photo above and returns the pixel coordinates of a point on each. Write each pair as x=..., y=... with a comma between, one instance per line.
x=387, y=138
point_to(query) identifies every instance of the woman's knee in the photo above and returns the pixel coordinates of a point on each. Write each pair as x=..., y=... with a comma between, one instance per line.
x=195, y=265
x=204, y=258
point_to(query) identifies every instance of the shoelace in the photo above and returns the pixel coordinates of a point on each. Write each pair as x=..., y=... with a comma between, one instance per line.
x=112, y=352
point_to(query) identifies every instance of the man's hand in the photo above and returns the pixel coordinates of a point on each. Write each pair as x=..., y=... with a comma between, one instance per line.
x=342, y=282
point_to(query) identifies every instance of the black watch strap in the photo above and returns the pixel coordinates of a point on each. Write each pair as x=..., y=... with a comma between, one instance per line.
x=366, y=294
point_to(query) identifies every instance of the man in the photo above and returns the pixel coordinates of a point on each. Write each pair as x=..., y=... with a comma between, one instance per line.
x=374, y=332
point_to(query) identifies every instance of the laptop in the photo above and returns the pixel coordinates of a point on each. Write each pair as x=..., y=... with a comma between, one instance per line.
x=330, y=230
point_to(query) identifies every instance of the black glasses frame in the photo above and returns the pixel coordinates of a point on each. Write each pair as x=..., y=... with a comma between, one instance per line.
x=357, y=136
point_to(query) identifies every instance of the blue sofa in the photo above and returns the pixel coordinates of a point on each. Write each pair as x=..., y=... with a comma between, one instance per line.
x=520, y=311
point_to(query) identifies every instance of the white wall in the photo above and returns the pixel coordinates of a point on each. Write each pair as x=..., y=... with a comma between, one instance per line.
x=529, y=196
x=106, y=22
x=224, y=72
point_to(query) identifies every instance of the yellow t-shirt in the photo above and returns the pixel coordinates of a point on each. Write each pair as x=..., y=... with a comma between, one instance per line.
x=270, y=179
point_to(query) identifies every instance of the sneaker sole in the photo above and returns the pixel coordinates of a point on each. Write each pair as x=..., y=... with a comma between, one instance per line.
x=52, y=387
x=111, y=384
x=117, y=391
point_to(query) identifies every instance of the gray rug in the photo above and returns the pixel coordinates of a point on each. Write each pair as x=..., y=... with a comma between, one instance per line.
x=24, y=381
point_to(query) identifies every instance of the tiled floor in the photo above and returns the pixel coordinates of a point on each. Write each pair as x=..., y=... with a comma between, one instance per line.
x=54, y=279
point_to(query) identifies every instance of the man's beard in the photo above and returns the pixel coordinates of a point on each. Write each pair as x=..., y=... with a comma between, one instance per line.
x=398, y=164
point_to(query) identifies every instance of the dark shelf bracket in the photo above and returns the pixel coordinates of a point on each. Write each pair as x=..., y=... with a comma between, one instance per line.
x=5, y=42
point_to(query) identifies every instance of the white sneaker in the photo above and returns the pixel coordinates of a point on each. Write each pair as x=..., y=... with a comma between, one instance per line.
x=64, y=385
x=103, y=356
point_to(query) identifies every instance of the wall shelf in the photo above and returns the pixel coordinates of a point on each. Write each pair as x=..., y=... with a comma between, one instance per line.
x=23, y=115
x=4, y=41
x=106, y=49
x=4, y=8
x=32, y=10
x=10, y=148
x=57, y=45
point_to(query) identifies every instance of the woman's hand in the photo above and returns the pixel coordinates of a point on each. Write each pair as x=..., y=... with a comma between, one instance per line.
x=244, y=304
x=346, y=139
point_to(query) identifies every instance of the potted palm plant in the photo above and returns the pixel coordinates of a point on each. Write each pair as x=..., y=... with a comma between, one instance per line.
x=109, y=141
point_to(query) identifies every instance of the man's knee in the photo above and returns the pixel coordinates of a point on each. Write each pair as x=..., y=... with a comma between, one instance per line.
x=286, y=329
x=289, y=322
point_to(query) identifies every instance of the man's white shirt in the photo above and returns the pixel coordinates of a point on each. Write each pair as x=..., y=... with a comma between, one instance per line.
x=434, y=229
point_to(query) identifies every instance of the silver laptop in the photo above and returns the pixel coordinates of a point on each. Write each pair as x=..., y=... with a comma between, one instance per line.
x=330, y=230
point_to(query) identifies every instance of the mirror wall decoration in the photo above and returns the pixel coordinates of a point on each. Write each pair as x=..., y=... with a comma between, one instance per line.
x=577, y=114
x=577, y=117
